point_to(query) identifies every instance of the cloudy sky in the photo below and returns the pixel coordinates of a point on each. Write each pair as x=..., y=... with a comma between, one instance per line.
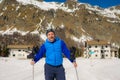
x=101, y=3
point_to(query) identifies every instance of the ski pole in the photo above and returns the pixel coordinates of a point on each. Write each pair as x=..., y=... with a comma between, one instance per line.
x=33, y=72
x=76, y=73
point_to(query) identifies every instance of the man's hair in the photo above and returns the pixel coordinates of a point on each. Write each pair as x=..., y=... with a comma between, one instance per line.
x=50, y=30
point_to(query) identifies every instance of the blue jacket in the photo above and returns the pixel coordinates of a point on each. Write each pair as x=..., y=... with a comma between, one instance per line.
x=53, y=52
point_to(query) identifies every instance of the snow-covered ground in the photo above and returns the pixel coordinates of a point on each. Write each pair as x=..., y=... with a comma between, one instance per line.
x=88, y=69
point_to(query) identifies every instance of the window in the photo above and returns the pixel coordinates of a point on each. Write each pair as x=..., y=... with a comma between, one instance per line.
x=96, y=55
x=102, y=47
x=102, y=51
x=106, y=55
x=28, y=48
x=95, y=50
x=107, y=50
x=106, y=46
x=95, y=46
x=116, y=54
x=111, y=55
x=13, y=55
x=89, y=46
x=19, y=50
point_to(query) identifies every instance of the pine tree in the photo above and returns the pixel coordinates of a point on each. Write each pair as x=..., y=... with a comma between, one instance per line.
x=119, y=53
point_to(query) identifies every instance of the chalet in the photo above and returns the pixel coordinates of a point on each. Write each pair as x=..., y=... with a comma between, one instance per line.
x=19, y=51
x=100, y=50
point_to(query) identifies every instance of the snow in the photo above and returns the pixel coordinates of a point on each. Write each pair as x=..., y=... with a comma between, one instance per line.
x=53, y=5
x=11, y=30
x=50, y=25
x=82, y=39
x=62, y=26
x=115, y=10
x=34, y=32
x=113, y=21
x=109, y=13
x=43, y=36
x=5, y=8
x=83, y=29
x=1, y=13
x=105, y=12
x=1, y=1
x=42, y=5
x=1, y=32
x=47, y=5
x=17, y=8
x=88, y=69
x=19, y=14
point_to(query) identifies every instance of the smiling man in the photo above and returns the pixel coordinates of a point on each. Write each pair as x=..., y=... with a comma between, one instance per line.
x=53, y=48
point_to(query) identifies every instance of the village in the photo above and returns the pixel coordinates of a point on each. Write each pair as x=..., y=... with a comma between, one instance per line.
x=95, y=49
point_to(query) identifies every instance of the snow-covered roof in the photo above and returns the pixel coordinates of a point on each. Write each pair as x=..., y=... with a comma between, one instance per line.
x=97, y=42
x=19, y=46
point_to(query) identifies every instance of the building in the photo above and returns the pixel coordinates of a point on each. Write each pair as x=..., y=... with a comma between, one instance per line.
x=100, y=50
x=19, y=51
x=114, y=52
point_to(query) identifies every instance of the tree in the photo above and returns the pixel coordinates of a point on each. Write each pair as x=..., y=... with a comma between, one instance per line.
x=119, y=53
x=0, y=50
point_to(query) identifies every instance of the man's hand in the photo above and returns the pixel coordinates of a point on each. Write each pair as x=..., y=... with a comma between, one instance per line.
x=75, y=64
x=32, y=62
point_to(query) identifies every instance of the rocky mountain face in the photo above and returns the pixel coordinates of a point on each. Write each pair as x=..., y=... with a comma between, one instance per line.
x=73, y=21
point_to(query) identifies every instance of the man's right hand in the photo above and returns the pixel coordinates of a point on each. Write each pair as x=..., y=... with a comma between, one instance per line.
x=32, y=62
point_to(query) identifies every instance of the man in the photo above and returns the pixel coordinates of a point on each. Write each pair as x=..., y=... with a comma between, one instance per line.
x=53, y=48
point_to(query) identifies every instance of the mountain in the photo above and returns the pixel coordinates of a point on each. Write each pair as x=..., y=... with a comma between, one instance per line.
x=73, y=21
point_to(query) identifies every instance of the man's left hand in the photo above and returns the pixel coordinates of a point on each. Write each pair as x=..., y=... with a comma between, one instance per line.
x=75, y=64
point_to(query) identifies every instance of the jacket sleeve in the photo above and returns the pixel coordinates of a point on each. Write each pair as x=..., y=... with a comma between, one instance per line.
x=66, y=51
x=40, y=53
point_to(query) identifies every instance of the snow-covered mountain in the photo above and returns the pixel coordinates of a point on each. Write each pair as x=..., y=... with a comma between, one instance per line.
x=72, y=20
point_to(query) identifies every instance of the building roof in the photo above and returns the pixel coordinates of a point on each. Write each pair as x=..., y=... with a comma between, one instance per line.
x=98, y=42
x=19, y=46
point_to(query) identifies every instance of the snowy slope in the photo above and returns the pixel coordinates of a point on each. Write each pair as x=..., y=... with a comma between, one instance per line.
x=11, y=30
x=42, y=5
x=96, y=69
x=53, y=5
x=46, y=5
x=105, y=12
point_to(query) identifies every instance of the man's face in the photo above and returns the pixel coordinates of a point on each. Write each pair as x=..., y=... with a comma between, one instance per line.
x=51, y=36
